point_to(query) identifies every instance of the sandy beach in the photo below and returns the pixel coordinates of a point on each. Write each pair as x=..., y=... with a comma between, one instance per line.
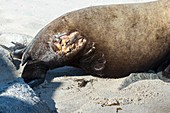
x=63, y=90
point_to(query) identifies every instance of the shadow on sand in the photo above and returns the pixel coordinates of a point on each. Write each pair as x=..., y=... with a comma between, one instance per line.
x=52, y=86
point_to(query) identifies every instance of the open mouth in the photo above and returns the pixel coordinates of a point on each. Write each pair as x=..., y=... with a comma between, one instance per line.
x=65, y=43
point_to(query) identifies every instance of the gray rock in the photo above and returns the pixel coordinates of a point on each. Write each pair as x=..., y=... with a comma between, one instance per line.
x=17, y=97
x=134, y=77
x=7, y=70
x=10, y=69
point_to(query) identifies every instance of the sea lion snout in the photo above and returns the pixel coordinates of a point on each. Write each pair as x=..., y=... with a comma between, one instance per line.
x=34, y=73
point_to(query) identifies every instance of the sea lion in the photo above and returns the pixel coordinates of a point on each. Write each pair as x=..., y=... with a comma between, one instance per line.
x=106, y=41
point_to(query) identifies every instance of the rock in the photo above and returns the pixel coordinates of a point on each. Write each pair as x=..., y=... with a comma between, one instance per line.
x=10, y=69
x=17, y=97
x=134, y=77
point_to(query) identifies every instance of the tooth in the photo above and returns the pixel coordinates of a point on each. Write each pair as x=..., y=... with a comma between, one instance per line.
x=84, y=40
x=80, y=40
x=64, y=49
x=58, y=45
x=64, y=37
x=72, y=46
x=76, y=45
x=68, y=49
x=58, y=52
x=72, y=35
x=80, y=44
x=64, y=42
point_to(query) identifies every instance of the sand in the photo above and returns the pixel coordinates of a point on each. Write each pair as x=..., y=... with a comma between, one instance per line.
x=68, y=90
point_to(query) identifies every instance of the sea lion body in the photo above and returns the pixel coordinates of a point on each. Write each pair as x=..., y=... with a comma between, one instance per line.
x=129, y=38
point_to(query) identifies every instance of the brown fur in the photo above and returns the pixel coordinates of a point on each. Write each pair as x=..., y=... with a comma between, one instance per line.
x=133, y=37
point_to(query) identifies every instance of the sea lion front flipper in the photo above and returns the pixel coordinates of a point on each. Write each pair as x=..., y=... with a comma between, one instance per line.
x=34, y=73
x=91, y=61
x=94, y=64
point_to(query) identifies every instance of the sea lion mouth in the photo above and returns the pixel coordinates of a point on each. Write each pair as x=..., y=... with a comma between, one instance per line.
x=74, y=49
x=67, y=43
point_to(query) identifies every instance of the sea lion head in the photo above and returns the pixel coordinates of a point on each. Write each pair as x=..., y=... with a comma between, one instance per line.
x=61, y=49
x=75, y=49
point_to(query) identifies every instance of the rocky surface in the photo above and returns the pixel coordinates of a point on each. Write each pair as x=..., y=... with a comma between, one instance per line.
x=17, y=97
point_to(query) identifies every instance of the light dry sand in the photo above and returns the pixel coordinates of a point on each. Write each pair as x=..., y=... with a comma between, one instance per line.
x=103, y=96
x=63, y=93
